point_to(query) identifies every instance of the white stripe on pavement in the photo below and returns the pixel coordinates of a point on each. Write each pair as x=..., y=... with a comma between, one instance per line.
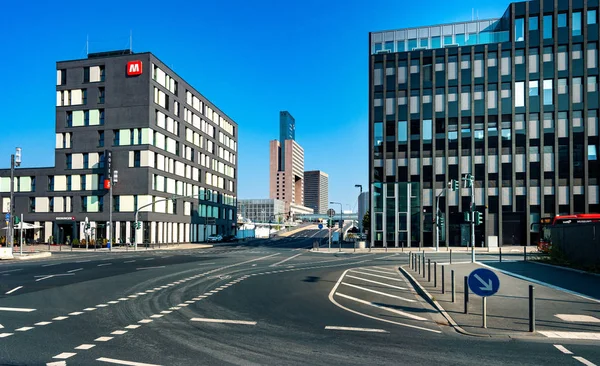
x=285, y=260
x=13, y=290
x=385, y=269
x=376, y=270
x=12, y=270
x=50, y=265
x=149, y=267
x=584, y=361
x=104, y=264
x=379, y=283
x=576, y=318
x=129, y=261
x=330, y=327
x=20, y=310
x=85, y=346
x=571, y=335
x=122, y=362
x=225, y=321
x=378, y=292
x=376, y=275
x=563, y=349
x=382, y=307
x=74, y=270
x=65, y=355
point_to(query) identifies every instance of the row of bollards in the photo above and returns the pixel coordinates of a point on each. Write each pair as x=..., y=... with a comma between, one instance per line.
x=417, y=263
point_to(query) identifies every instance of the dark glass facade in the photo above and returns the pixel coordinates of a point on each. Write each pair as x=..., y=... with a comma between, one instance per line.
x=513, y=101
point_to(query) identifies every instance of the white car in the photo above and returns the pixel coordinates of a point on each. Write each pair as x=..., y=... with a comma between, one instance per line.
x=214, y=238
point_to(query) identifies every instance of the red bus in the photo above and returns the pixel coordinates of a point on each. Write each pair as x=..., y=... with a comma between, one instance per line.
x=545, y=241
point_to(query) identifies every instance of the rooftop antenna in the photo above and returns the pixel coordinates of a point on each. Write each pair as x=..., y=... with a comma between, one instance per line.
x=87, y=45
x=130, y=41
x=472, y=14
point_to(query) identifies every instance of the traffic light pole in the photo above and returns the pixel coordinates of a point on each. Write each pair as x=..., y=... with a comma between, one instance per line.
x=437, y=221
x=11, y=222
x=472, y=219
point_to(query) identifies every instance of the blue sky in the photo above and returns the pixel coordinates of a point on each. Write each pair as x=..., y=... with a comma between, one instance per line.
x=250, y=58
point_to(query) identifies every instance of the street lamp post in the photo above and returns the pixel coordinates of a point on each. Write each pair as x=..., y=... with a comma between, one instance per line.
x=341, y=220
x=15, y=160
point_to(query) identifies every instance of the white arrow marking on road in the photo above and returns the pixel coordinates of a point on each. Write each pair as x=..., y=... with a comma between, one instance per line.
x=486, y=286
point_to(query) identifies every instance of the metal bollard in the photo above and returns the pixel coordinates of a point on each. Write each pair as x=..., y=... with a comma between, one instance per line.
x=466, y=297
x=450, y=256
x=428, y=270
x=525, y=253
x=419, y=263
x=531, y=309
x=484, y=312
x=500, y=254
x=424, y=273
x=443, y=282
x=435, y=274
x=453, y=286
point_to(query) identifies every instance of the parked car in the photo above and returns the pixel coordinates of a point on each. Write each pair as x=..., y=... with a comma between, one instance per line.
x=230, y=238
x=214, y=238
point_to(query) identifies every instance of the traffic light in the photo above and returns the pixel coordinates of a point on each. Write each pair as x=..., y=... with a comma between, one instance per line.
x=17, y=220
x=478, y=218
x=137, y=225
x=454, y=185
x=329, y=223
x=441, y=221
x=467, y=216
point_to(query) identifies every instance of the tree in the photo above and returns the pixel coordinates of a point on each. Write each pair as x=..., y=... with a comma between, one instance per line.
x=366, y=222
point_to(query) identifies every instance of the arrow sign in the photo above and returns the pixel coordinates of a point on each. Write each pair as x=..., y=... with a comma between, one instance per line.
x=483, y=282
x=320, y=226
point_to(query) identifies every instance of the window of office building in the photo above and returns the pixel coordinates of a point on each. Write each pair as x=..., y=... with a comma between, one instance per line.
x=401, y=97
x=402, y=132
x=69, y=161
x=548, y=54
x=547, y=26
x=591, y=55
x=452, y=60
x=478, y=92
x=533, y=88
x=427, y=131
x=562, y=58
x=592, y=85
x=519, y=57
x=414, y=66
x=591, y=16
x=439, y=63
x=378, y=74
x=492, y=97
x=427, y=96
x=402, y=72
x=519, y=29
x=505, y=63
x=492, y=59
x=576, y=51
x=562, y=20
x=100, y=138
x=548, y=122
x=520, y=94
x=478, y=65
x=439, y=100
x=547, y=92
x=533, y=60
x=505, y=90
x=563, y=87
x=576, y=23
x=414, y=101
x=577, y=90
x=465, y=61
x=390, y=105
x=465, y=98
x=436, y=42
x=533, y=23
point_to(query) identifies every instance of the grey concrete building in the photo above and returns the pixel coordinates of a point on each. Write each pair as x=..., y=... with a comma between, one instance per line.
x=316, y=191
x=165, y=139
x=263, y=210
x=363, y=207
x=513, y=101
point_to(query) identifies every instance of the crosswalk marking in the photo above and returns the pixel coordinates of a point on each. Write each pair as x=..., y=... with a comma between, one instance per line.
x=376, y=282
x=571, y=335
x=377, y=292
x=381, y=307
x=578, y=318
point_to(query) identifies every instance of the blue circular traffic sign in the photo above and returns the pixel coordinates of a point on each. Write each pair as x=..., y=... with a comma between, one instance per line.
x=320, y=226
x=483, y=282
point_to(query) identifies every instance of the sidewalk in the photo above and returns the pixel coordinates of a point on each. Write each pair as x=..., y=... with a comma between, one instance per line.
x=28, y=249
x=570, y=315
x=349, y=247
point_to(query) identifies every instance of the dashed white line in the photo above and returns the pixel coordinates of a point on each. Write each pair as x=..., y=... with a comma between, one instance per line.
x=89, y=309
x=76, y=313
x=123, y=299
x=166, y=312
x=12, y=270
x=75, y=270
x=20, y=310
x=13, y=290
x=377, y=292
x=584, y=361
x=132, y=326
x=65, y=355
x=145, y=321
x=43, y=323
x=103, y=339
x=101, y=305
x=157, y=316
x=224, y=321
x=24, y=329
x=50, y=265
x=119, y=332
x=85, y=346
x=104, y=264
x=563, y=349
x=60, y=318
x=4, y=335
x=149, y=259
x=331, y=327
x=84, y=261
x=113, y=302
x=122, y=362
x=139, y=269
x=128, y=261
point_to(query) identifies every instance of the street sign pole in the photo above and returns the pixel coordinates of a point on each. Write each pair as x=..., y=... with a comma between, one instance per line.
x=472, y=218
x=21, y=237
x=484, y=283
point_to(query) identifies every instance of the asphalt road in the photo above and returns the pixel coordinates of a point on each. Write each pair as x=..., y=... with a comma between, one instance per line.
x=261, y=302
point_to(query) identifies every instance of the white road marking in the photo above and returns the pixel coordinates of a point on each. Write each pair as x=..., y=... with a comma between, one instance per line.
x=145, y=321
x=50, y=265
x=104, y=264
x=376, y=270
x=571, y=335
x=103, y=339
x=43, y=323
x=84, y=261
x=128, y=261
x=76, y=313
x=408, y=315
x=122, y=362
x=12, y=270
x=123, y=299
x=166, y=312
x=13, y=290
x=224, y=321
x=89, y=309
x=149, y=259
x=331, y=327
x=133, y=296
x=156, y=316
x=563, y=349
x=285, y=260
x=376, y=282
x=57, y=363
x=4, y=335
x=85, y=346
x=149, y=267
x=334, y=289
x=45, y=277
x=119, y=332
x=132, y=326
x=75, y=270
x=584, y=361
x=24, y=329
x=376, y=275
x=65, y=355
x=20, y=310
x=101, y=305
x=385, y=269
x=60, y=318
x=378, y=292
x=577, y=318
x=189, y=302
x=113, y=302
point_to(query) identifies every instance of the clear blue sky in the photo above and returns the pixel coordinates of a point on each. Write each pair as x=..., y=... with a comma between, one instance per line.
x=250, y=58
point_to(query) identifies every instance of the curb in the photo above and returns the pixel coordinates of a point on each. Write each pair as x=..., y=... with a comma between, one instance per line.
x=34, y=256
x=565, y=268
x=439, y=308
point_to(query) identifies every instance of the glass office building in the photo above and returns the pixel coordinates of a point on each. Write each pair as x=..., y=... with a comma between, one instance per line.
x=512, y=101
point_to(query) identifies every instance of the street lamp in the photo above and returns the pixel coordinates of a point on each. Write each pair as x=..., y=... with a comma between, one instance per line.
x=15, y=160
